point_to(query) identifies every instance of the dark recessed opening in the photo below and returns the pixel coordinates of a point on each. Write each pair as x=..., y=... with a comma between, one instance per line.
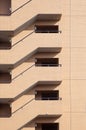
x=5, y=77
x=5, y=7
x=47, y=126
x=5, y=45
x=50, y=126
x=47, y=62
x=47, y=95
x=46, y=28
x=5, y=110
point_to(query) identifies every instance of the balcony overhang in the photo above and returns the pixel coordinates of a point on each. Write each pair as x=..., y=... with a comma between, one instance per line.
x=48, y=17
x=42, y=118
x=49, y=83
x=49, y=49
x=48, y=116
x=39, y=83
x=44, y=83
x=39, y=17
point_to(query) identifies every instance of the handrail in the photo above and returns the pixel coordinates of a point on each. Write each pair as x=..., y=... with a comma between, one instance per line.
x=48, y=98
x=22, y=39
x=21, y=6
x=23, y=72
x=31, y=67
x=49, y=65
x=23, y=106
x=32, y=100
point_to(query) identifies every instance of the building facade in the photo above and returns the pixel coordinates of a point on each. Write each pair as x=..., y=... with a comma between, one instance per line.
x=42, y=65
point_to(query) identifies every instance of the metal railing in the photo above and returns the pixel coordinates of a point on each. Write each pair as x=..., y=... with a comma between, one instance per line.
x=44, y=98
x=23, y=106
x=23, y=72
x=39, y=65
x=48, y=98
x=22, y=39
x=48, y=65
x=21, y=6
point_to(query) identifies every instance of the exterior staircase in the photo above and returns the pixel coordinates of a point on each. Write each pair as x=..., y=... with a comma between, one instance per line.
x=29, y=77
x=20, y=116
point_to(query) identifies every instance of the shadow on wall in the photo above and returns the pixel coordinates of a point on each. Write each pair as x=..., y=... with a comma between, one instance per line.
x=5, y=6
x=47, y=86
x=5, y=110
x=5, y=77
x=40, y=120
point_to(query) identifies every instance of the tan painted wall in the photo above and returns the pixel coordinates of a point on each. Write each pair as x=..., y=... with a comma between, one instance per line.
x=78, y=64
x=72, y=57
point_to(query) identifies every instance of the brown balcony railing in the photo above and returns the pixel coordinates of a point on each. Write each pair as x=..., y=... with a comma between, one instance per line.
x=48, y=65
x=46, y=28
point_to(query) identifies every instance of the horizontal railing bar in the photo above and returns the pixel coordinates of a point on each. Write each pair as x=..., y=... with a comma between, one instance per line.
x=48, y=65
x=48, y=98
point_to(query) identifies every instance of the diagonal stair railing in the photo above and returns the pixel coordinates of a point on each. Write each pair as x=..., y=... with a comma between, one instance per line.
x=21, y=6
x=23, y=72
x=23, y=106
x=22, y=39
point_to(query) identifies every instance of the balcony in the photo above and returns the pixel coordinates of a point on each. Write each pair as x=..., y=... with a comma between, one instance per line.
x=48, y=62
x=40, y=120
x=46, y=29
x=40, y=41
x=27, y=112
x=17, y=11
x=47, y=95
x=28, y=78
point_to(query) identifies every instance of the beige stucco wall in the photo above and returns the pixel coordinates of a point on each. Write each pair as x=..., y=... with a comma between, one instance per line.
x=72, y=40
x=78, y=64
